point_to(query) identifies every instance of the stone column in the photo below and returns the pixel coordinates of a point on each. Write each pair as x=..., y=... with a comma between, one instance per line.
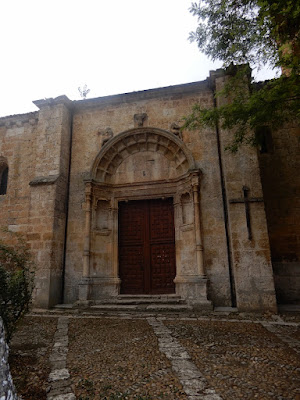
x=177, y=218
x=191, y=282
x=114, y=282
x=84, y=285
x=87, y=239
x=199, y=246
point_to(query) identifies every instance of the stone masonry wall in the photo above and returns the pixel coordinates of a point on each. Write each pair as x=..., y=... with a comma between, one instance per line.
x=94, y=119
x=36, y=149
x=280, y=166
x=18, y=149
x=252, y=269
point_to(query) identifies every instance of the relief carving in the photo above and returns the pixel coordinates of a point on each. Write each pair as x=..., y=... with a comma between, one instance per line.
x=104, y=136
x=139, y=119
x=176, y=130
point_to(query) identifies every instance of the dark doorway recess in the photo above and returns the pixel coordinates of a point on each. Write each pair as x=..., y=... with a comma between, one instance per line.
x=147, y=246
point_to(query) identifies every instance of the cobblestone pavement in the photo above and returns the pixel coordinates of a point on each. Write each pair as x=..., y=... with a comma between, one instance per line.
x=29, y=354
x=131, y=356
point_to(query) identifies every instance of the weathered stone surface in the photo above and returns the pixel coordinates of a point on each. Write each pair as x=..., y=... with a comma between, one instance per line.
x=58, y=364
x=59, y=378
x=193, y=383
x=67, y=396
x=59, y=374
x=279, y=166
x=44, y=180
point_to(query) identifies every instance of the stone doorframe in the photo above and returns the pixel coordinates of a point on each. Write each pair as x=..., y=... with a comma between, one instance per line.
x=102, y=195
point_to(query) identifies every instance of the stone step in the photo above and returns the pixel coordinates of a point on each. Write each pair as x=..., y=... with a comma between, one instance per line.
x=113, y=307
x=140, y=307
x=289, y=308
x=169, y=307
x=148, y=296
x=142, y=300
x=130, y=303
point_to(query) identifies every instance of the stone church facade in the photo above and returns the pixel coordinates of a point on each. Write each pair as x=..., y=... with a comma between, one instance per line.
x=115, y=199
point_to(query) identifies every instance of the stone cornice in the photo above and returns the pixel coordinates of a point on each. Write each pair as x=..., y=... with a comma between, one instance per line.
x=53, y=102
x=21, y=119
x=175, y=92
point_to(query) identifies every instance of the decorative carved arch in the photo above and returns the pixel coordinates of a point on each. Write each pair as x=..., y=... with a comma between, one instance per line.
x=117, y=149
x=100, y=275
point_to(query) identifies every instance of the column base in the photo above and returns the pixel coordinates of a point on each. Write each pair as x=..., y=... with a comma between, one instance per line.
x=193, y=289
x=84, y=289
x=97, y=288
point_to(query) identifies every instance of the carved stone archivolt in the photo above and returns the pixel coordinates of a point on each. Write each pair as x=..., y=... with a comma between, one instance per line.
x=140, y=140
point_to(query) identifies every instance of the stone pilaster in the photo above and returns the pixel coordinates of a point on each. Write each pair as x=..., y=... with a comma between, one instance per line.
x=48, y=197
x=250, y=246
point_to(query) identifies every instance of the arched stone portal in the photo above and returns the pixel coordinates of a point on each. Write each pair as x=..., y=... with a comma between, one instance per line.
x=142, y=165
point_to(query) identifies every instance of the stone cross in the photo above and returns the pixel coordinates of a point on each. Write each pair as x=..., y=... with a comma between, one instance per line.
x=246, y=200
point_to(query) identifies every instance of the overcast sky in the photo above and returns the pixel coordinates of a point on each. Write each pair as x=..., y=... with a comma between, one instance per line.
x=50, y=47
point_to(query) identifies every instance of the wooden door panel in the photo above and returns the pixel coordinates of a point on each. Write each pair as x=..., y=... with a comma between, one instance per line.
x=131, y=260
x=161, y=220
x=162, y=268
x=131, y=222
x=147, y=246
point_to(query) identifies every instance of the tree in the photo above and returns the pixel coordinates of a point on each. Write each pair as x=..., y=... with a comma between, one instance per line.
x=16, y=280
x=251, y=32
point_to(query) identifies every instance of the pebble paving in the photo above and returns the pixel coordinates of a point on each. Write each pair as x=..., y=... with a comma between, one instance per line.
x=30, y=349
x=240, y=360
x=111, y=358
x=157, y=356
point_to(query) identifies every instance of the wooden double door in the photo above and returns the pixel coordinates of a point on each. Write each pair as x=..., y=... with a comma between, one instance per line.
x=147, y=246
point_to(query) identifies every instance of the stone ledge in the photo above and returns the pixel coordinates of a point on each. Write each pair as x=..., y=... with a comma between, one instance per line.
x=44, y=180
